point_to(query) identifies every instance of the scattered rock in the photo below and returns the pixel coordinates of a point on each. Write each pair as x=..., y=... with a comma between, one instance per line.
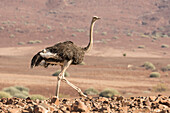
x=151, y=104
x=79, y=106
x=15, y=110
x=152, y=98
x=55, y=100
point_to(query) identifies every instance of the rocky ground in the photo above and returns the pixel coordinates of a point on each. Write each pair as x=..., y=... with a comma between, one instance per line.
x=116, y=104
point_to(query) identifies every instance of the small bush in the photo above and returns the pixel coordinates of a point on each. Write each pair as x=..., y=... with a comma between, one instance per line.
x=141, y=46
x=167, y=68
x=91, y=91
x=163, y=36
x=19, y=30
x=124, y=54
x=80, y=30
x=17, y=91
x=160, y=88
x=58, y=72
x=11, y=90
x=31, y=42
x=4, y=95
x=155, y=75
x=73, y=35
x=109, y=93
x=82, y=63
x=144, y=36
x=164, y=46
x=148, y=65
x=115, y=37
x=22, y=88
x=37, y=41
x=34, y=42
x=21, y=43
x=104, y=33
x=146, y=91
x=37, y=96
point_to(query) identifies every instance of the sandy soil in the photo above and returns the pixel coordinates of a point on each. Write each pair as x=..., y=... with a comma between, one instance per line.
x=99, y=72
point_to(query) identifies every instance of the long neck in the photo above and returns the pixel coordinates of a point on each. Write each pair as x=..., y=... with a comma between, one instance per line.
x=90, y=45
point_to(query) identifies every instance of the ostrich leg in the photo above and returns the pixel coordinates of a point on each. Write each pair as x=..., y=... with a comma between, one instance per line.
x=61, y=75
x=75, y=87
x=58, y=82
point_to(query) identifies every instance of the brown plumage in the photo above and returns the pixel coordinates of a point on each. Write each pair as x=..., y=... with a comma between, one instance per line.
x=64, y=54
x=62, y=51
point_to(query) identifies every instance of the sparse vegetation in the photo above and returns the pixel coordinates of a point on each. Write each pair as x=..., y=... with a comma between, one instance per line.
x=163, y=36
x=73, y=35
x=104, y=33
x=37, y=96
x=34, y=42
x=58, y=72
x=20, y=95
x=11, y=90
x=141, y=46
x=21, y=43
x=167, y=68
x=160, y=88
x=80, y=30
x=164, y=46
x=155, y=38
x=109, y=93
x=144, y=36
x=129, y=34
x=91, y=91
x=82, y=63
x=19, y=30
x=22, y=88
x=4, y=94
x=149, y=65
x=124, y=54
x=11, y=36
x=17, y=91
x=115, y=37
x=155, y=75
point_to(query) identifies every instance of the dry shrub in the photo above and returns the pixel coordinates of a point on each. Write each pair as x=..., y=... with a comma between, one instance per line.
x=109, y=93
x=37, y=96
x=155, y=75
x=160, y=88
x=149, y=65
x=91, y=91
x=58, y=72
x=4, y=95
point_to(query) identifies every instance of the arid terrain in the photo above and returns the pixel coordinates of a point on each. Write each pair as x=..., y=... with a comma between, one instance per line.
x=139, y=29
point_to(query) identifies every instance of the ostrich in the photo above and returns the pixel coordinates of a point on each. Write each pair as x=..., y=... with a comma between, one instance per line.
x=64, y=54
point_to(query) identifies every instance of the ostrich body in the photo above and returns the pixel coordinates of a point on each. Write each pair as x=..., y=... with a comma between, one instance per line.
x=64, y=54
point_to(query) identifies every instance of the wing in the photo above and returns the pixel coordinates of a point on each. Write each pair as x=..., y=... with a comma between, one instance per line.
x=36, y=60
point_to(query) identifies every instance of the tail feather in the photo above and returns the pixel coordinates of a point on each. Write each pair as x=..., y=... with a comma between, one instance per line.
x=36, y=60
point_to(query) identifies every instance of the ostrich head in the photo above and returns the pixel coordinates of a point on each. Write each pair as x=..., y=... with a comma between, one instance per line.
x=95, y=18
